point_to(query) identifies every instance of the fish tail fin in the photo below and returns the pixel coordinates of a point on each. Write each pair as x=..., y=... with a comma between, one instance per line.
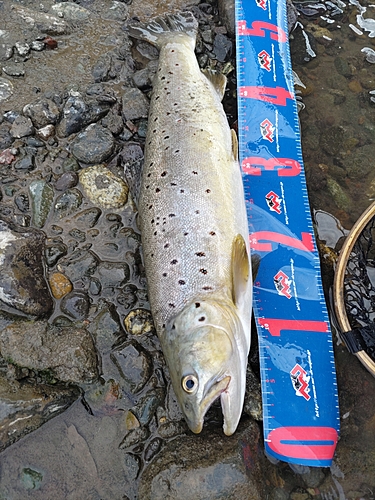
x=159, y=30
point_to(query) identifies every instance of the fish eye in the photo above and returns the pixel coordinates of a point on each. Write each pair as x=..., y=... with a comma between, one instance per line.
x=189, y=383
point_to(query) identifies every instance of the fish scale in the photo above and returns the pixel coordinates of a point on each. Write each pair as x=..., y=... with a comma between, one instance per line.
x=194, y=229
x=185, y=188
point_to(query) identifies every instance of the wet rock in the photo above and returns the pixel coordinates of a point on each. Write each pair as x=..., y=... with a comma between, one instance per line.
x=14, y=69
x=25, y=163
x=172, y=429
x=113, y=274
x=253, y=396
x=31, y=479
x=226, y=12
x=147, y=406
x=41, y=195
x=87, y=218
x=102, y=187
x=22, y=286
x=222, y=47
x=134, y=104
x=117, y=12
x=22, y=48
x=70, y=11
x=342, y=66
x=6, y=88
x=68, y=203
x=66, y=181
x=133, y=364
x=208, y=466
x=78, y=235
x=79, y=264
x=37, y=45
x=77, y=113
x=152, y=449
x=22, y=202
x=139, y=322
x=132, y=466
x=113, y=122
x=54, y=250
x=5, y=137
x=339, y=196
x=143, y=78
x=25, y=407
x=106, y=328
x=76, y=305
x=42, y=112
x=133, y=437
x=331, y=140
x=93, y=145
x=68, y=353
x=6, y=51
x=128, y=296
x=22, y=127
x=46, y=132
x=60, y=285
x=46, y=23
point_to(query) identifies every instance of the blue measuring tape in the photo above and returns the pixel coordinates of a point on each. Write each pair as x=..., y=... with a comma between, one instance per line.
x=299, y=388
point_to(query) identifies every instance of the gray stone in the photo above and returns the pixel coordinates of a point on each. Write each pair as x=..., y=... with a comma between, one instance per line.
x=42, y=112
x=93, y=145
x=208, y=466
x=68, y=202
x=226, y=12
x=113, y=274
x=23, y=48
x=6, y=51
x=76, y=305
x=22, y=286
x=67, y=352
x=70, y=11
x=41, y=195
x=25, y=407
x=22, y=127
x=45, y=23
x=14, y=69
x=134, y=104
x=6, y=89
x=79, y=264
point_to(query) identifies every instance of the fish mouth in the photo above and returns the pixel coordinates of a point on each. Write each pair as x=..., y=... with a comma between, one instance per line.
x=212, y=394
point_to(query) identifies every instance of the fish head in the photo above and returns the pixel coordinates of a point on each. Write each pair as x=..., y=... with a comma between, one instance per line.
x=206, y=352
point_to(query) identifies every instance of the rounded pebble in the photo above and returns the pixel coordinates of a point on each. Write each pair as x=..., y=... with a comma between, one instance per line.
x=102, y=187
x=138, y=322
x=76, y=305
x=60, y=285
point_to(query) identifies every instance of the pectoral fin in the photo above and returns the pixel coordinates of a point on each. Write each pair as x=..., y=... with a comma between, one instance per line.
x=240, y=269
x=234, y=144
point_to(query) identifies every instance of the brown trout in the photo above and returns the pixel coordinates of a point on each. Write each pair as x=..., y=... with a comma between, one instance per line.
x=194, y=228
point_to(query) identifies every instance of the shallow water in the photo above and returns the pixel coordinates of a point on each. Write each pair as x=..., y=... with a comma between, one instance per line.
x=77, y=455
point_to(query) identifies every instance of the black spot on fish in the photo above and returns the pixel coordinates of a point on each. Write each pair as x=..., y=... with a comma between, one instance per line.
x=155, y=119
x=165, y=274
x=148, y=185
x=155, y=233
x=181, y=282
x=173, y=184
x=174, y=261
x=197, y=211
x=163, y=174
x=185, y=234
x=173, y=327
x=197, y=304
x=207, y=288
x=157, y=97
x=172, y=215
x=162, y=78
x=208, y=190
x=166, y=245
x=154, y=131
x=176, y=151
x=176, y=64
x=212, y=233
x=182, y=190
x=200, y=254
x=157, y=190
x=202, y=318
x=170, y=72
x=203, y=271
x=172, y=50
x=152, y=221
x=171, y=305
x=150, y=206
x=165, y=149
x=149, y=175
x=166, y=137
x=195, y=172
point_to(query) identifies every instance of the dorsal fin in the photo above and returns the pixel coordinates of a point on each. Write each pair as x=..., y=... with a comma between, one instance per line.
x=240, y=269
x=218, y=80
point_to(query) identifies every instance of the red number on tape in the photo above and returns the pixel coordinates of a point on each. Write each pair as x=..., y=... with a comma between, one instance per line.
x=306, y=243
x=259, y=28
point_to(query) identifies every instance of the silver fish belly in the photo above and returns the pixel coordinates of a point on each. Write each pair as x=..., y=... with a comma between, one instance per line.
x=194, y=229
